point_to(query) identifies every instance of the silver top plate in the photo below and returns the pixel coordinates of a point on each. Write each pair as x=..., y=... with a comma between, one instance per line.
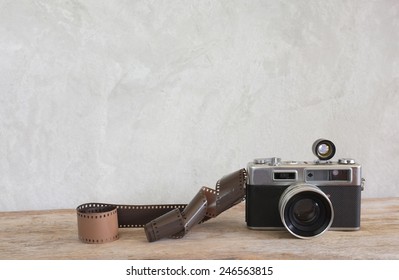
x=283, y=173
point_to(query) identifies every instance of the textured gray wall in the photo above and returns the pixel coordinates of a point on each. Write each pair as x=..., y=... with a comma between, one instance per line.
x=146, y=101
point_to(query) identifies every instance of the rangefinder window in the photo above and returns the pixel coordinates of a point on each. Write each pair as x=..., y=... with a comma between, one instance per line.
x=328, y=175
x=285, y=175
x=340, y=175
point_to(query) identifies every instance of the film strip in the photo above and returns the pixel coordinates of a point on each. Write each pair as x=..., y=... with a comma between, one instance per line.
x=99, y=222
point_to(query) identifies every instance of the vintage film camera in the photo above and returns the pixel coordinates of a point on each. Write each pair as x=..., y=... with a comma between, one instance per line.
x=307, y=198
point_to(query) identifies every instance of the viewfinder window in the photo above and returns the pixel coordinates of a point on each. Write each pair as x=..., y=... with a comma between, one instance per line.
x=328, y=175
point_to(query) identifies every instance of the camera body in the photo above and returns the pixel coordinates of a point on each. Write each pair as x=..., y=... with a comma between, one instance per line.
x=307, y=198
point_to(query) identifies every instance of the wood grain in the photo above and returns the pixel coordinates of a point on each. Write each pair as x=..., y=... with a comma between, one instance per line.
x=53, y=235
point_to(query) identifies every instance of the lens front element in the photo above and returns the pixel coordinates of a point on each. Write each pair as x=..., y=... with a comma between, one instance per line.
x=305, y=211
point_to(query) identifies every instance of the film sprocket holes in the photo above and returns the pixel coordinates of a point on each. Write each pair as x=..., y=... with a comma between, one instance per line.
x=306, y=198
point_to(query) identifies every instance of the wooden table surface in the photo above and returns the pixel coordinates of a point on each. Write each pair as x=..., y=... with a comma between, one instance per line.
x=53, y=235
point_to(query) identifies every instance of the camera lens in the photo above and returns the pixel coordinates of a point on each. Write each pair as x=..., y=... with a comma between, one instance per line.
x=305, y=211
x=323, y=149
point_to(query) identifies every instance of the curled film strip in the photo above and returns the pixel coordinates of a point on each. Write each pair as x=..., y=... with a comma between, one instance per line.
x=99, y=222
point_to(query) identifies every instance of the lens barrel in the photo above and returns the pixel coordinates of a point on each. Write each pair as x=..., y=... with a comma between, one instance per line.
x=305, y=211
